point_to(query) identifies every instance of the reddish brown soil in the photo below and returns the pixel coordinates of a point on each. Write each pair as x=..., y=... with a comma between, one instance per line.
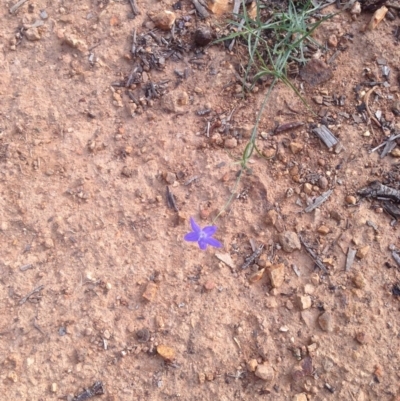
x=83, y=201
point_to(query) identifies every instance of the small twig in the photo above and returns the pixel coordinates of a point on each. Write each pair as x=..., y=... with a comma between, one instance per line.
x=252, y=257
x=366, y=100
x=390, y=139
x=351, y=253
x=290, y=108
x=326, y=136
x=231, y=114
x=287, y=126
x=315, y=257
x=134, y=42
x=203, y=13
x=171, y=200
x=236, y=7
x=37, y=327
x=26, y=297
x=208, y=129
x=94, y=46
x=135, y=9
x=318, y=201
x=96, y=389
x=190, y=180
x=334, y=56
x=26, y=267
x=17, y=5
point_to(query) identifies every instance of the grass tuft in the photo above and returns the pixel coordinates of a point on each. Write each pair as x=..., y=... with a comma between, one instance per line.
x=273, y=40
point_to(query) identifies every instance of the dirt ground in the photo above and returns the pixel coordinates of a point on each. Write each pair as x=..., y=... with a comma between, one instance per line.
x=118, y=296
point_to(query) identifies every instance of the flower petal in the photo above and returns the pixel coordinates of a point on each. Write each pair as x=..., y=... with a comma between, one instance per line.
x=213, y=242
x=194, y=225
x=209, y=230
x=191, y=237
x=203, y=243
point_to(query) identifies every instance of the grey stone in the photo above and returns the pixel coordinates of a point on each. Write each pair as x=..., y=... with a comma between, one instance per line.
x=289, y=241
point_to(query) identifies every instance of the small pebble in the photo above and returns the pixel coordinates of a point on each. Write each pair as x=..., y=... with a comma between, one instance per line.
x=271, y=303
x=164, y=20
x=356, y=8
x=143, y=335
x=150, y=292
x=265, y=372
x=252, y=365
x=304, y=302
x=307, y=188
x=359, y=280
x=12, y=376
x=332, y=41
x=48, y=243
x=315, y=279
x=167, y=353
x=323, y=182
x=271, y=218
x=289, y=241
x=289, y=304
x=312, y=348
x=351, y=200
x=300, y=397
x=318, y=99
x=53, y=387
x=32, y=34
x=202, y=36
x=335, y=215
x=362, y=252
x=296, y=147
x=205, y=213
x=209, y=285
x=210, y=376
x=169, y=177
x=43, y=14
x=309, y=289
x=202, y=377
x=30, y=361
x=308, y=318
x=257, y=276
x=324, y=230
x=362, y=338
x=277, y=275
x=230, y=143
x=325, y=322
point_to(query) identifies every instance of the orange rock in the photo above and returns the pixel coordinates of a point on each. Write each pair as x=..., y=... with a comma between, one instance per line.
x=377, y=18
x=166, y=352
x=114, y=21
x=257, y=276
x=164, y=20
x=209, y=285
x=218, y=6
x=150, y=292
x=277, y=275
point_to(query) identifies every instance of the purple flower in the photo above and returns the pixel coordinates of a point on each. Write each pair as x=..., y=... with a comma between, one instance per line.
x=203, y=236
